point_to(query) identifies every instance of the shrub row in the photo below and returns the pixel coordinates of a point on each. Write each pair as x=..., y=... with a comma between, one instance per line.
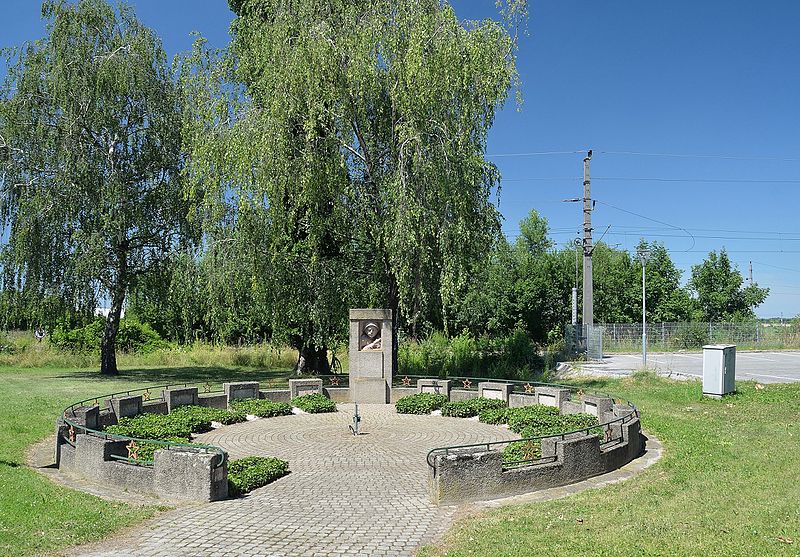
x=261, y=408
x=177, y=426
x=252, y=472
x=420, y=403
x=532, y=423
x=314, y=404
x=472, y=407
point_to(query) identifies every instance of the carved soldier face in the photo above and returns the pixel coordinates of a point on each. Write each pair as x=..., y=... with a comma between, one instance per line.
x=371, y=330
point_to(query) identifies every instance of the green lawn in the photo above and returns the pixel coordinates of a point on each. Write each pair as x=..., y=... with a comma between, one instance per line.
x=37, y=516
x=728, y=484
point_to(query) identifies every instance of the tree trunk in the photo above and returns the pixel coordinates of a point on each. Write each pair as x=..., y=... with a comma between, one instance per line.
x=108, y=346
x=314, y=361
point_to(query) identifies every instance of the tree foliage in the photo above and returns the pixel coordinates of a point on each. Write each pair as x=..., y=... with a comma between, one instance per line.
x=92, y=197
x=359, y=130
x=717, y=287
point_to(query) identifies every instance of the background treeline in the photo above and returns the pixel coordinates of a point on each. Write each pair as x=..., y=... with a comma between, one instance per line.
x=331, y=156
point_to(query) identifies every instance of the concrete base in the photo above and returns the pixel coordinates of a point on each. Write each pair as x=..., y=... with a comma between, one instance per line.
x=369, y=390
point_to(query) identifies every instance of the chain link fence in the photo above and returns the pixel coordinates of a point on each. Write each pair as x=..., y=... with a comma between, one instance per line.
x=618, y=337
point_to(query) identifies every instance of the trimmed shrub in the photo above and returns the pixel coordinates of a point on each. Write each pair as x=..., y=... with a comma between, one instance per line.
x=420, y=403
x=472, y=407
x=494, y=416
x=202, y=414
x=153, y=426
x=541, y=426
x=179, y=424
x=261, y=408
x=314, y=404
x=530, y=416
x=252, y=472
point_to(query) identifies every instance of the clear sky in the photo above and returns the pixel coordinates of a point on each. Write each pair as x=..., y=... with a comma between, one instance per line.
x=715, y=81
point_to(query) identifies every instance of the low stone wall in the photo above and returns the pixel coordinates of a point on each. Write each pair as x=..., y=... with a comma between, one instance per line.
x=176, y=474
x=477, y=474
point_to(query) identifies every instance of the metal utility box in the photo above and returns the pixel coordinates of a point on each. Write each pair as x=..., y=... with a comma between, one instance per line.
x=719, y=369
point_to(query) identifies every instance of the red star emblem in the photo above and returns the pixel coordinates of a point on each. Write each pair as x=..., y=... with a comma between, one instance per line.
x=146, y=395
x=529, y=389
x=335, y=381
x=133, y=450
x=72, y=434
x=467, y=383
x=406, y=381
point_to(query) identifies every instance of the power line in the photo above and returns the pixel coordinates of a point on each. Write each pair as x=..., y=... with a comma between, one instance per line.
x=776, y=267
x=702, y=236
x=700, y=180
x=554, y=179
x=651, y=219
x=700, y=156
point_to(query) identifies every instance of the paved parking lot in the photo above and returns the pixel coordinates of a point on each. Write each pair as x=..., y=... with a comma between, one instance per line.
x=764, y=367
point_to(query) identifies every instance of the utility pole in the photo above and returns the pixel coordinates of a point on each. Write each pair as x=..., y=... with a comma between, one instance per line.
x=575, y=289
x=588, y=291
x=750, y=274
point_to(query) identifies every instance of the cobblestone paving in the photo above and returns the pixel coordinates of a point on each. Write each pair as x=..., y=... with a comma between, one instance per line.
x=345, y=495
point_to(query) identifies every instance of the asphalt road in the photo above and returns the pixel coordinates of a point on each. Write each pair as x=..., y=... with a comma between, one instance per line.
x=764, y=367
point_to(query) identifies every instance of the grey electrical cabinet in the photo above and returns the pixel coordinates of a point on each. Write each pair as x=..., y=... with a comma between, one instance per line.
x=719, y=369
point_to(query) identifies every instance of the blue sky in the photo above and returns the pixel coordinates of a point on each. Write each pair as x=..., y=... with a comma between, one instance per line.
x=671, y=78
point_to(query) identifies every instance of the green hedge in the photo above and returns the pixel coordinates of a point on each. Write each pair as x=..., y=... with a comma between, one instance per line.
x=176, y=426
x=314, y=404
x=539, y=423
x=472, y=407
x=420, y=403
x=159, y=427
x=252, y=472
x=495, y=416
x=261, y=407
x=202, y=414
x=531, y=416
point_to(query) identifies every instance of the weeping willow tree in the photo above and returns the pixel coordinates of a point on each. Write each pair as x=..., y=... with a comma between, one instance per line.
x=91, y=191
x=359, y=128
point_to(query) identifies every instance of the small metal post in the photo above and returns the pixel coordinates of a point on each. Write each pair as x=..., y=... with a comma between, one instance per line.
x=356, y=422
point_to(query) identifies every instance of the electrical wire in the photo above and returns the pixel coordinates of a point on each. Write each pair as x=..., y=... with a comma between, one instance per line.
x=651, y=219
x=700, y=156
x=776, y=267
x=698, y=180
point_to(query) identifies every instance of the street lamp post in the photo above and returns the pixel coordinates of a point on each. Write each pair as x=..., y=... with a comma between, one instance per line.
x=644, y=255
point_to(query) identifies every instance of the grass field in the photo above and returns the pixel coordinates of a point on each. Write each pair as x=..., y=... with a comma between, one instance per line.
x=728, y=485
x=37, y=516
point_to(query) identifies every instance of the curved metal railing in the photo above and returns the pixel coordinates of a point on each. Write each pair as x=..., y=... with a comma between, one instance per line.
x=608, y=439
x=137, y=443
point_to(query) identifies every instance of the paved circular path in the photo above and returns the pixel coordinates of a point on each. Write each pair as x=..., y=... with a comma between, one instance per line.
x=345, y=495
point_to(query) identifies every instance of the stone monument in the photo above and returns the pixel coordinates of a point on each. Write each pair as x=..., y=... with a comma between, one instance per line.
x=371, y=355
